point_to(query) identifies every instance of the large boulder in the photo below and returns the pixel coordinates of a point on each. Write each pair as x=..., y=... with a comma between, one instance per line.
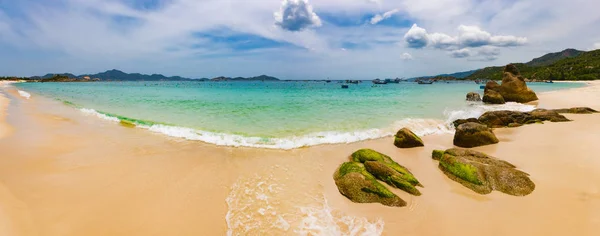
x=576, y=110
x=482, y=173
x=473, y=97
x=364, y=155
x=358, y=185
x=493, y=97
x=514, y=88
x=458, y=122
x=473, y=134
x=405, y=138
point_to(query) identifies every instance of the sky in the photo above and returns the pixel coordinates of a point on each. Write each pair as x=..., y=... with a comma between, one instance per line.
x=289, y=39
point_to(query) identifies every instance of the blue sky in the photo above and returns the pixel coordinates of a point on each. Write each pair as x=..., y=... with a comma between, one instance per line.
x=290, y=39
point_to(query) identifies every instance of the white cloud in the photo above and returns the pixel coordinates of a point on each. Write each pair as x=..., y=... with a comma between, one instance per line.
x=379, y=17
x=296, y=15
x=596, y=46
x=406, y=56
x=416, y=37
x=460, y=53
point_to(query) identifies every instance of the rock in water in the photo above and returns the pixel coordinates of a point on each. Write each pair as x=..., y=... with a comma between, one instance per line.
x=576, y=110
x=473, y=97
x=493, y=97
x=472, y=134
x=365, y=155
x=514, y=88
x=405, y=138
x=358, y=185
x=482, y=173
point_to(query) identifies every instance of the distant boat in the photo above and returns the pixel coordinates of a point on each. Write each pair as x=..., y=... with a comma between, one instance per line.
x=425, y=82
x=344, y=86
x=393, y=81
x=327, y=81
x=378, y=81
x=352, y=81
x=549, y=81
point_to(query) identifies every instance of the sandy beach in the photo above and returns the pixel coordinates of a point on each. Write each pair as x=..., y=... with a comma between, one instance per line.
x=65, y=173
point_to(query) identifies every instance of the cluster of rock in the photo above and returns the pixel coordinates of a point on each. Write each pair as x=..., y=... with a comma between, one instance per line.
x=499, y=119
x=482, y=173
x=512, y=89
x=357, y=179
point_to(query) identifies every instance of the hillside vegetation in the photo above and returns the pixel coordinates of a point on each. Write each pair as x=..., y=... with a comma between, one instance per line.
x=585, y=66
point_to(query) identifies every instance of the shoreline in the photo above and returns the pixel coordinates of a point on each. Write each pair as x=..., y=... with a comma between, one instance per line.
x=66, y=175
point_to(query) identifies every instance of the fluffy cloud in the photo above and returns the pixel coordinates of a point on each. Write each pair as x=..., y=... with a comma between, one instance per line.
x=296, y=15
x=416, y=37
x=406, y=56
x=460, y=53
x=379, y=17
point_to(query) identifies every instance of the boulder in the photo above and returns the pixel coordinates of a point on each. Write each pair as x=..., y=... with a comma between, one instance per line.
x=364, y=155
x=550, y=115
x=482, y=173
x=473, y=134
x=576, y=110
x=493, y=97
x=498, y=119
x=514, y=88
x=405, y=138
x=390, y=176
x=358, y=185
x=473, y=97
x=458, y=122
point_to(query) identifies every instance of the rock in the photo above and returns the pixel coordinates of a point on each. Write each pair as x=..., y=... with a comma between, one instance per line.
x=482, y=173
x=364, y=155
x=498, y=119
x=358, y=185
x=390, y=176
x=472, y=134
x=576, y=110
x=405, y=138
x=493, y=97
x=473, y=97
x=514, y=125
x=514, y=88
x=492, y=86
x=458, y=122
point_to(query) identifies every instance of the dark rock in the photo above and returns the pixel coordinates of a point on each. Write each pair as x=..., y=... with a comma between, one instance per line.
x=576, y=110
x=493, y=97
x=473, y=97
x=458, y=122
x=482, y=173
x=358, y=185
x=405, y=138
x=543, y=115
x=498, y=119
x=472, y=134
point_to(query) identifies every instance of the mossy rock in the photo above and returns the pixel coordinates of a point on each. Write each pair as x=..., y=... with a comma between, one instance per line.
x=482, y=173
x=405, y=138
x=358, y=185
x=364, y=155
x=472, y=134
x=390, y=176
x=127, y=123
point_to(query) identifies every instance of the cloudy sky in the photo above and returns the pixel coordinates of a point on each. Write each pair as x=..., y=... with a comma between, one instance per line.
x=290, y=39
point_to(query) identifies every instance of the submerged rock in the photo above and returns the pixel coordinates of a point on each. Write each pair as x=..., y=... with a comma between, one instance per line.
x=576, y=110
x=514, y=88
x=473, y=134
x=358, y=185
x=405, y=138
x=482, y=173
x=473, y=97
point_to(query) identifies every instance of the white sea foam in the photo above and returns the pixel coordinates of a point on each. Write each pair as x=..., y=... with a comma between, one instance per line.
x=24, y=94
x=421, y=127
x=261, y=206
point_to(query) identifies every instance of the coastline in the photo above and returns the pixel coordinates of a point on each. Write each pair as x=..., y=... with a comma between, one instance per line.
x=118, y=181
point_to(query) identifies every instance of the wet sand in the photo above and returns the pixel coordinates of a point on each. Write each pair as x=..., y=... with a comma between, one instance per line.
x=64, y=173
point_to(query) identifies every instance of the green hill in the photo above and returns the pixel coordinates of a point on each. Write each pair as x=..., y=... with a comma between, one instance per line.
x=585, y=66
x=551, y=58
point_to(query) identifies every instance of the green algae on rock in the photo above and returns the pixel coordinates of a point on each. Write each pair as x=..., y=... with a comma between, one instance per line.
x=358, y=185
x=483, y=173
x=364, y=155
x=390, y=176
x=405, y=138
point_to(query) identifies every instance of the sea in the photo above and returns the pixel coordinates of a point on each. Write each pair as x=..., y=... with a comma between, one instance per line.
x=277, y=114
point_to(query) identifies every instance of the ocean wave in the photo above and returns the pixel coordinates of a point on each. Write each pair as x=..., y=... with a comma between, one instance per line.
x=261, y=206
x=421, y=127
x=24, y=94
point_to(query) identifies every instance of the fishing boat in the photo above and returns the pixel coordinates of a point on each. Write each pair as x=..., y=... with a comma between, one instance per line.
x=425, y=82
x=549, y=81
x=344, y=86
x=378, y=81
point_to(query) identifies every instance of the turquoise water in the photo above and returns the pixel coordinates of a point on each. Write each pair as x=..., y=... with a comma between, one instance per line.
x=274, y=114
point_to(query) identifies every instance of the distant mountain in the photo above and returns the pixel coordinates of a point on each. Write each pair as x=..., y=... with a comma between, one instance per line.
x=457, y=75
x=255, y=78
x=551, y=58
x=585, y=66
x=48, y=76
x=117, y=75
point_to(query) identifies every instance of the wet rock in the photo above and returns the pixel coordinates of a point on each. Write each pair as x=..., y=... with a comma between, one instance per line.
x=458, y=122
x=498, y=119
x=482, y=173
x=358, y=185
x=473, y=97
x=472, y=134
x=405, y=138
x=576, y=110
x=514, y=88
x=364, y=155
x=493, y=97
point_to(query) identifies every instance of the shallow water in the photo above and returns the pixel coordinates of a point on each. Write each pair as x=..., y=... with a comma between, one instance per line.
x=277, y=114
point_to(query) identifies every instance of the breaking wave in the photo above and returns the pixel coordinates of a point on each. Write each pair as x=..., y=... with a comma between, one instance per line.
x=24, y=94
